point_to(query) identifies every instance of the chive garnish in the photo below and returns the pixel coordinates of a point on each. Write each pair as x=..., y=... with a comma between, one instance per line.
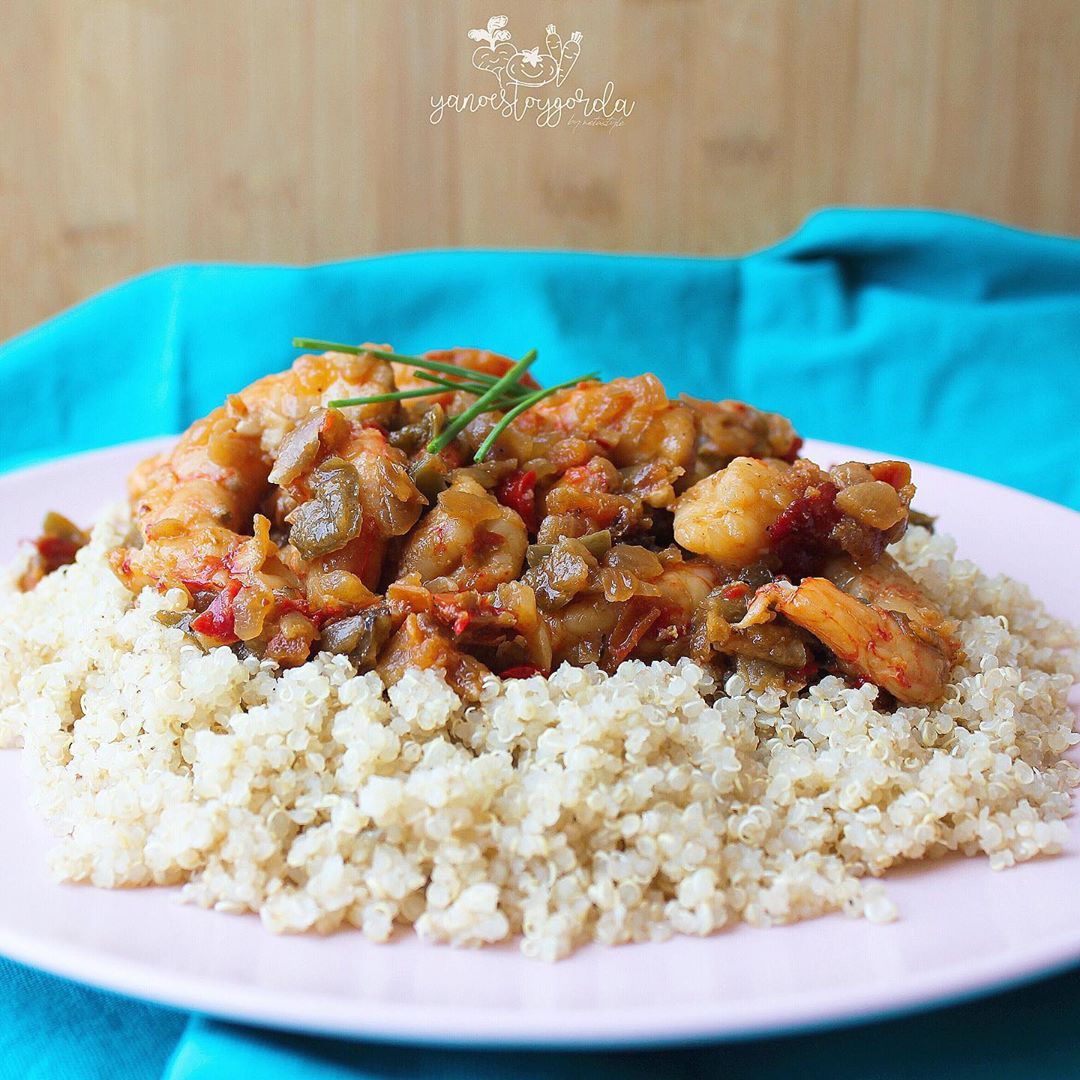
x=468, y=386
x=523, y=405
x=484, y=403
x=377, y=399
x=411, y=361
x=503, y=394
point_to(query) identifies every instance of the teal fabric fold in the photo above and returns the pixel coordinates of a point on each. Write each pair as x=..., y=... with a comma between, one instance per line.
x=915, y=333
x=1023, y=1034
x=53, y=1029
x=924, y=334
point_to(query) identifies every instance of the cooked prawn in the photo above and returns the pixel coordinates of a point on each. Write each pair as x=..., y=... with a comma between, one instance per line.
x=728, y=515
x=468, y=541
x=197, y=507
x=886, y=585
x=190, y=506
x=629, y=420
x=481, y=360
x=217, y=473
x=272, y=406
x=883, y=629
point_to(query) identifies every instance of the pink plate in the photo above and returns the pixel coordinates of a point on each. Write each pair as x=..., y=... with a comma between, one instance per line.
x=963, y=929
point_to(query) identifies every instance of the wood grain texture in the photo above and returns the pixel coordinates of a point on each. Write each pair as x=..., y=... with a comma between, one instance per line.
x=140, y=132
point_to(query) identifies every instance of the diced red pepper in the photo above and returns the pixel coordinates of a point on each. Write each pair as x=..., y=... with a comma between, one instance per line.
x=450, y=612
x=735, y=591
x=518, y=491
x=801, y=534
x=521, y=671
x=218, y=621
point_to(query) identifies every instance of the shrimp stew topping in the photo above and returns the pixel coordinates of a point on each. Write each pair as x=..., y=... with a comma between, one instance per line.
x=366, y=507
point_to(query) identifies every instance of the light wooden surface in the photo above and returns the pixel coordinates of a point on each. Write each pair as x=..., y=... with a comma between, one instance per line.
x=142, y=132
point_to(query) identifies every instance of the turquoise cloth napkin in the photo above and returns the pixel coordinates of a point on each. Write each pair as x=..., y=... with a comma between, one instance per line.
x=934, y=336
x=920, y=334
x=1024, y=1034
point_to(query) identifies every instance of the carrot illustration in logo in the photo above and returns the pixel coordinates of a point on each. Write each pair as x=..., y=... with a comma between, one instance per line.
x=569, y=55
x=554, y=43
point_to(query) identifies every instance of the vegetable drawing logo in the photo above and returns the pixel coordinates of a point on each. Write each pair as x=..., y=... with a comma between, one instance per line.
x=527, y=67
x=519, y=72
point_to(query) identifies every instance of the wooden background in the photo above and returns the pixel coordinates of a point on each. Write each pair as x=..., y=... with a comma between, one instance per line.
x=141, y=132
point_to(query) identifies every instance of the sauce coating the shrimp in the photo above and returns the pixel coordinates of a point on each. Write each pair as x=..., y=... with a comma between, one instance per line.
x=608, y=522
x=880, y=627
x=468, y=541
x=197, y=509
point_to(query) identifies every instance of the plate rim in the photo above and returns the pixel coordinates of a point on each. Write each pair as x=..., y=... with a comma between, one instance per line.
x=382, y=1023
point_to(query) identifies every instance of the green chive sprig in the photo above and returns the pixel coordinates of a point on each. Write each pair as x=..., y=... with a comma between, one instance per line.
x=526, y=403
x=504, y=393
x=392, y=395
x=493, y=398
x=412, y=361
x=469, y=386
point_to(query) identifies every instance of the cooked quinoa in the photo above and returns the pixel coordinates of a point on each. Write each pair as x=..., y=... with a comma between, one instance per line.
x=581, y=807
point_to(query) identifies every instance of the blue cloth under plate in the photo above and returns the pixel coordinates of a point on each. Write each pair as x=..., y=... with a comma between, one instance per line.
x=919, y=334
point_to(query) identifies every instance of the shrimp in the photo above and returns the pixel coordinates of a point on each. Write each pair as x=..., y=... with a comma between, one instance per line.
x=630, y=420
x=879, y=625
x=489, y=363
x=145, y=475
x=197, y=508
x=190, y=506
x=797, y=515
x=217, y=473
x=886, y=585
x=727, y=516
x=685, y=583
x=274, y=405
x=469, y=541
